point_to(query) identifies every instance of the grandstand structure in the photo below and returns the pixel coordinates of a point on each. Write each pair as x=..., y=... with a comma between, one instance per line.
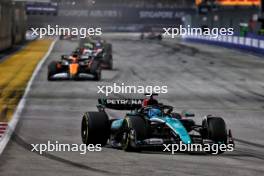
x=135, y=15
x=129, y=3
x=117, y=15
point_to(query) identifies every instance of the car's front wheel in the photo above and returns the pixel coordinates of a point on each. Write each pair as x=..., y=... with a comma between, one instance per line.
x=135, y=128
x=215, y=130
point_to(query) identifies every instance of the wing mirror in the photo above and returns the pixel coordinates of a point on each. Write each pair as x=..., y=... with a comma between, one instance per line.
x=187, y=114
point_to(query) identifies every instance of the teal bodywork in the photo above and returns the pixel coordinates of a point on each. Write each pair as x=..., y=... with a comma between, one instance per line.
x=117, y=124
x=176, y=126
x=172, y=123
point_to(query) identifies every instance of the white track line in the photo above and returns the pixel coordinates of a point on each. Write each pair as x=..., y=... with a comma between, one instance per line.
x=12, y=124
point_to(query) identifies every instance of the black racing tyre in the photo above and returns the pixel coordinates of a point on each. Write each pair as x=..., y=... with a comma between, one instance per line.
x=108, y=58
x=136, y=126
x=96, y=70
x=216, y=131
x=108, y=48
x=97, y=75
x=109, y=62
x=52, y=69
x=95, y=128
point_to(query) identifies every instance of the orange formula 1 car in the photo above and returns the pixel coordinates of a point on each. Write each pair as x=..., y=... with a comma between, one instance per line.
x=75, y=67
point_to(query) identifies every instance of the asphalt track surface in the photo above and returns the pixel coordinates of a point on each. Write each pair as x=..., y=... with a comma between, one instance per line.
x=204, y=79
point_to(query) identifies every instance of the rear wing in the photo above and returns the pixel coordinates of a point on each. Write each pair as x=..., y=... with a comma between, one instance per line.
x=121, y=104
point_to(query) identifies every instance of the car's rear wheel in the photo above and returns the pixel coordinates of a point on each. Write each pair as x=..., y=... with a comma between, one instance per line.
x=108, y=48
x=110, y=67
x=135, y=129
x=96, y=70
x=95, y=128
x=98, y=74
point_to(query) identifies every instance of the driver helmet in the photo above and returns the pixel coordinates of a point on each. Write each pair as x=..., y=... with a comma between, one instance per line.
x=149, y=102
x=75, y=53
x=154, y=112
x=98, y=44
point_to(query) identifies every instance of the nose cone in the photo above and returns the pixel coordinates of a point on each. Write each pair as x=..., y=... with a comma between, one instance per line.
x=74, y=69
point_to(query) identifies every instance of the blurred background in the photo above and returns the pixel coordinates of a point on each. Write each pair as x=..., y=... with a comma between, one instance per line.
x=205, y=79
x=246, y=16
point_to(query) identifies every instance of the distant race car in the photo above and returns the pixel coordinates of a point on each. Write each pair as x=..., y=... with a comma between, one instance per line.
x=151, y=36
x=75, y=67
x=98, y=44
x=149, y=124
x=68, y=37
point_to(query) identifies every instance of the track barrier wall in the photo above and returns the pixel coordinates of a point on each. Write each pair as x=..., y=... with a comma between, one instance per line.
x=251, y=43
